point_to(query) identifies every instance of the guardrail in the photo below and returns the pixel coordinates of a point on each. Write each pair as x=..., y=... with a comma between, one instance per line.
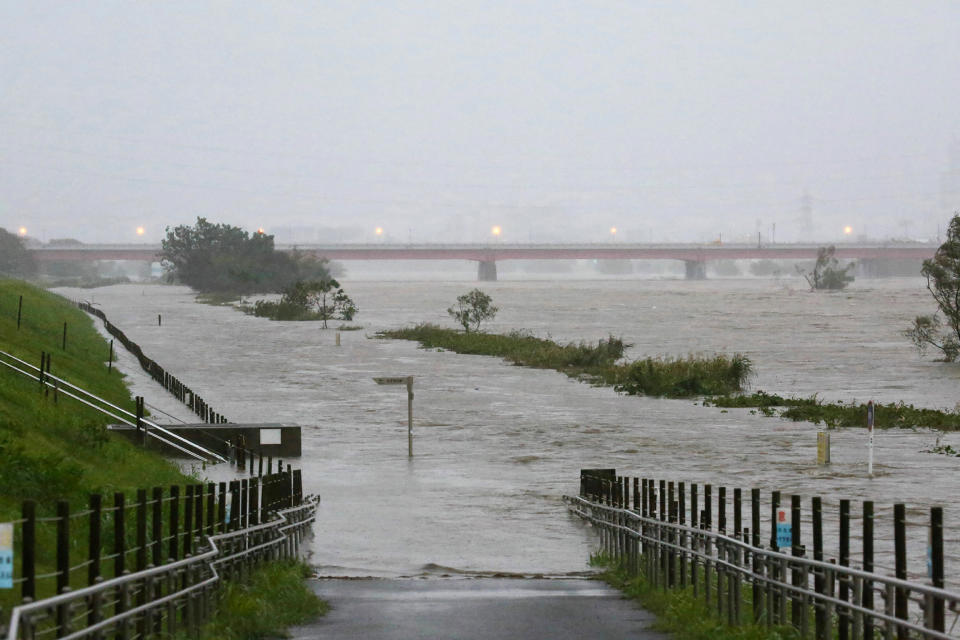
x=643, y=528
x=182, y=549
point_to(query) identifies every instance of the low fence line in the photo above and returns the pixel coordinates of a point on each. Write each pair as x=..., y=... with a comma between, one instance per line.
x=643, y=528
x=169, y=382
x=171, y=586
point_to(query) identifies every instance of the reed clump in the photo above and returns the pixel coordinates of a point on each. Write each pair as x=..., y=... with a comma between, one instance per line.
x=273, y=598
x=600, y=363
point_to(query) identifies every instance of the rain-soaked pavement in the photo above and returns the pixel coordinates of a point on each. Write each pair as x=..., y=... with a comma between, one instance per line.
x=468, y=609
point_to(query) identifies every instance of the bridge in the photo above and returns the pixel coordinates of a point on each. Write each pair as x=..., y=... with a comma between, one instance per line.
x=694, y=256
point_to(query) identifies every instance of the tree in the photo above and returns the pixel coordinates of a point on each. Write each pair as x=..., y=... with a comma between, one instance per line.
x=330, y=300
x=827, y=272
x=225, y=259
x=473, y=308
x=15, y=259
x=943, y=281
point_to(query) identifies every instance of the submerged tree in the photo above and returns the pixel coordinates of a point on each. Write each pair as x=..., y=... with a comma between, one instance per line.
x=943, y=281
x=225, y=259
x=827, y=272
x=330, y=300
x=318, y=299
x=472, y=309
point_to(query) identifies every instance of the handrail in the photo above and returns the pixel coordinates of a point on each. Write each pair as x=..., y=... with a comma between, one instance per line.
x=209, y=559
x=153, y=425
x=714, y=547
x=734, y=542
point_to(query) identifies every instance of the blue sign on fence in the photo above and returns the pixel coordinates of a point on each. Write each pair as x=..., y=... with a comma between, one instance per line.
x=784, y=533
x=6, y=555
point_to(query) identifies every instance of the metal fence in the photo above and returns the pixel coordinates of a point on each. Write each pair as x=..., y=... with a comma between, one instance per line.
x=168, y=381
x=644, y=528
x=183, y=544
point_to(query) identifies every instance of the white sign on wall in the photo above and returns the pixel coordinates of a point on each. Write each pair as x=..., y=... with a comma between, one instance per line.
x=270, y=436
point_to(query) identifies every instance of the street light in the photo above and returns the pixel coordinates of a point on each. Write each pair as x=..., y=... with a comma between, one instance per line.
x=261, y=231
x=140, y=231
x=378, y=231
x=496, y=231
x=613, y=233
x=22, y=231
x=847, y=230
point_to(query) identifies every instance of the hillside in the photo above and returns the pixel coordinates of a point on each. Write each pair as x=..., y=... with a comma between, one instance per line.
x=61, y=450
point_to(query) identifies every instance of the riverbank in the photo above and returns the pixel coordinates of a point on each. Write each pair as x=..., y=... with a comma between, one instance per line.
x=57, y=449
x=682, y=377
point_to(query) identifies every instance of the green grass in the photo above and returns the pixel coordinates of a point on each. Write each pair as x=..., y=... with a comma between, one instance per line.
x=274, y=598
x=62, y=450
x=841, y=414
x=600, y=364
x=682, y=615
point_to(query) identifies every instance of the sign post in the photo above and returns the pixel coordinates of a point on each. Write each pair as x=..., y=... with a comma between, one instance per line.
x=784, y=529
x=408, y=380
x=823, y=447
x=870, y=441
x=6, y=555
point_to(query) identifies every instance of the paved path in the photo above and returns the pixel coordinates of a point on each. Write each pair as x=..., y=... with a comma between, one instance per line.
x=479, y=608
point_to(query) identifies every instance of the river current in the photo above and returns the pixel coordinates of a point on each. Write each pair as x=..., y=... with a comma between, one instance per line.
x=496, y=446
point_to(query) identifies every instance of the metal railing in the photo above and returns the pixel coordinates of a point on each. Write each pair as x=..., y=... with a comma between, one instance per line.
x=168, y=381
x=59, y=386
x=745, y=582
x=162, y=598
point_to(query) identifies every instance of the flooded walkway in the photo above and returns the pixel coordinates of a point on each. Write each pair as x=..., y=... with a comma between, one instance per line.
x=485, y=608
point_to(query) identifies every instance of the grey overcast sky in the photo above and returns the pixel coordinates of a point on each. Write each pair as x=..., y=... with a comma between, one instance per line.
x=319, y=121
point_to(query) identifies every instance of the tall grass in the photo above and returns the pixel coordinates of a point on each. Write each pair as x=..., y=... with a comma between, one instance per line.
x=683, y=615
x=273, y=598
x=600, y=363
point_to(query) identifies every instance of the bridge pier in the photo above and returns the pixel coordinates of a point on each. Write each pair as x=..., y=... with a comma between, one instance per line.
x=487, y=271
x=696, y=269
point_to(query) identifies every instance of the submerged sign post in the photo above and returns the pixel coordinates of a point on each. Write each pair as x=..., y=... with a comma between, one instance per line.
x=407, y=380
x=870, y=441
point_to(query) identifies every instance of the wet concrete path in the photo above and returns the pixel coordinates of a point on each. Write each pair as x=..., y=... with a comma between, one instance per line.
x=480, y=608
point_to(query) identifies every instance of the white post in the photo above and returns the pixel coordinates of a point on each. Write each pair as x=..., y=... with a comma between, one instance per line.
x=409, y=416
x=870, y=441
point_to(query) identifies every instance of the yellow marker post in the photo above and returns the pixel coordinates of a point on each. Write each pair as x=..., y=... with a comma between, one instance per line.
x=823, y=447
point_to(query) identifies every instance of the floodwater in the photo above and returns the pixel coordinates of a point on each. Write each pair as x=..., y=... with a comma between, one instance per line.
x=496, y=446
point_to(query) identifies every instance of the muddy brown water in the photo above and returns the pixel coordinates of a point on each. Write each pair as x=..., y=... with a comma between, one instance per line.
x=496, y=446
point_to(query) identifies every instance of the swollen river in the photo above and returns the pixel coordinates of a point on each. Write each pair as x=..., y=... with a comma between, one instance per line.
x=496, y=446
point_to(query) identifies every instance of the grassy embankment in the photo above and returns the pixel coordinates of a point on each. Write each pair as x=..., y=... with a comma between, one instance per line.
x=681, y=614
x=682, y=377
x=61, y=450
